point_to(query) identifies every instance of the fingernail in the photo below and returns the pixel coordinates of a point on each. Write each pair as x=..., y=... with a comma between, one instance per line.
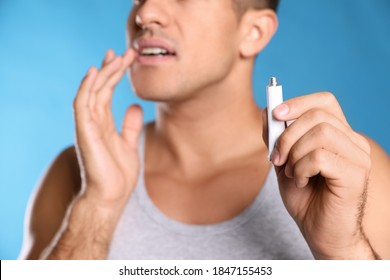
x=281, y=110
x=275, y=156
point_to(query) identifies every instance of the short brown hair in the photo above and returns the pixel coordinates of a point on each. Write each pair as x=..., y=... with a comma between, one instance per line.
x=240, y=6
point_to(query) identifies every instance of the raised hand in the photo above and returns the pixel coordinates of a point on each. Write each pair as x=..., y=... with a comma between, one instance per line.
x=109, y=164
x=108, y=159
x=323, y=167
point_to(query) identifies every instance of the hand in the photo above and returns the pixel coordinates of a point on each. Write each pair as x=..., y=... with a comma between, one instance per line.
x=323, y=168
x=108, y=160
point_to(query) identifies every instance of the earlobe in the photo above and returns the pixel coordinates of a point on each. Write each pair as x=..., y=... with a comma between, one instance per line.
x=258, y=27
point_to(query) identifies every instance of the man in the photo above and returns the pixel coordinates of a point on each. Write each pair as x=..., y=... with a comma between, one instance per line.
x=196, y=183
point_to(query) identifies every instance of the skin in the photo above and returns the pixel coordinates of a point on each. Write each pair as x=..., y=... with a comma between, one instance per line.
x=204, y=111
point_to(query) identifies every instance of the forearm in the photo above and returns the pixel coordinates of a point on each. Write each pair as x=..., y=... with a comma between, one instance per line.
x=86, y=232
x=361, y=249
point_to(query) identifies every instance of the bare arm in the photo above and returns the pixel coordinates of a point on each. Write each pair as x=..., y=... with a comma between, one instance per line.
x=86, y=232
x=49, y=203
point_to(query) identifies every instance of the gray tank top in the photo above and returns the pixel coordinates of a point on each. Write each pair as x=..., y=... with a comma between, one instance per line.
x=264, y=230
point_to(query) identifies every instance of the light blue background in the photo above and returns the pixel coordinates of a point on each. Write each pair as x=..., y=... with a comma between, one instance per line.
x=341, y=46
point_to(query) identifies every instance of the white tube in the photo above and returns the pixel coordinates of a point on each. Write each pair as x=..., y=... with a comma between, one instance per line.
x=275, y=127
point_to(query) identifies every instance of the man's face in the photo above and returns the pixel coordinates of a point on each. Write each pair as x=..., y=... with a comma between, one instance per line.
x=184, y=47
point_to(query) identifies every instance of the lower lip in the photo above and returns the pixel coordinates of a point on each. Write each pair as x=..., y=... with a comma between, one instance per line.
x=153, y=60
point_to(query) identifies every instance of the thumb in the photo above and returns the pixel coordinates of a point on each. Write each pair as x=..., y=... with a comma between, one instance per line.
x=132, y=125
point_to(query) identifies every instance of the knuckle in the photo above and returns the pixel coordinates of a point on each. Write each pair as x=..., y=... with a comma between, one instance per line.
x=318, y=157
x=328, y=96
x=323, y=129
x=316, y=114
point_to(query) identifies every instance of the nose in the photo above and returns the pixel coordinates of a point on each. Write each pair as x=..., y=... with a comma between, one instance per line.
x=152, y=13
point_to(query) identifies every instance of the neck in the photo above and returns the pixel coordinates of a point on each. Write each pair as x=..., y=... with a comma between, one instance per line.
x=222, y=123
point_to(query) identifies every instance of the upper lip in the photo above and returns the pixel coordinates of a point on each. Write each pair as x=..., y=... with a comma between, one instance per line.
x=142, y=43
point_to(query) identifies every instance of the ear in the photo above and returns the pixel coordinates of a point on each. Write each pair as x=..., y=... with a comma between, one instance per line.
x=257, y=29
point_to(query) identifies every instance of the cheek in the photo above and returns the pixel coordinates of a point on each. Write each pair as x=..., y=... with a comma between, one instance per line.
x=213, y=54
x=214, y=42
x=131, y=27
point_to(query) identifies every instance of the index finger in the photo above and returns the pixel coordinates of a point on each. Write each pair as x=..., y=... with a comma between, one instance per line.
x=108, y=83
x=294, y=108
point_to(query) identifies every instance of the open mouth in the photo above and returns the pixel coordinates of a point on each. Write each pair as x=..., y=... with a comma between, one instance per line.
x=149, y=48
x=155, y=51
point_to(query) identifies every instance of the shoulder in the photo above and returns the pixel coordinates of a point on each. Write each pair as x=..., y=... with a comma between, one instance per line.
x=377, y=217
x=49, y=203
x=62, y=178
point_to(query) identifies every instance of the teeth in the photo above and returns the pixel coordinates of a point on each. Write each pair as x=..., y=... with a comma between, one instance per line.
x=154, y=51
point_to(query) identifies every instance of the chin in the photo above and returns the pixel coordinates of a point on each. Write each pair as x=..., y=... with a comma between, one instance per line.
x=154, y=92
x=158, y=88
